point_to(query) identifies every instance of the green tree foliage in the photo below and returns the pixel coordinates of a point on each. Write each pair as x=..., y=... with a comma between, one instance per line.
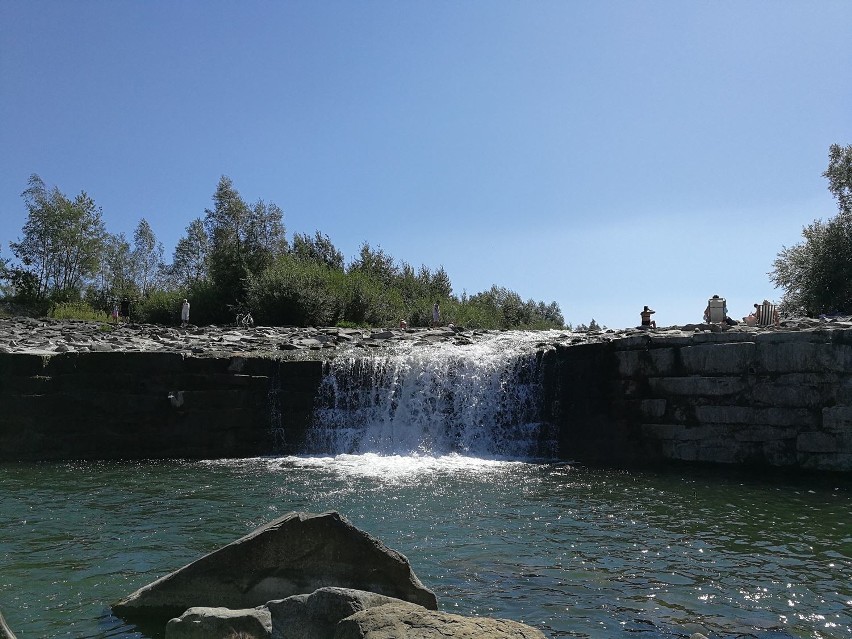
x=116, y=275
x=318, y=248
x=375, y=263
x=237, y=254
x=147, y=258
x=62, y=242
x=839, y=175
x=297, y=292
x=189, y=262
x=816, y=274
x=244, y=239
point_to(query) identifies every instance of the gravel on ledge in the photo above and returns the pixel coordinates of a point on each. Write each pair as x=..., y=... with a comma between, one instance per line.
x=49, y=337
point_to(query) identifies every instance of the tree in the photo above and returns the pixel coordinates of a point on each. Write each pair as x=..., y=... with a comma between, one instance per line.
x=147, y=257
x=839, y=175
x=375, y=263
x=117, y=270
x=244, y=240
x=62, y=240
x=817, y=273
x=189, y=262
x=318, y=248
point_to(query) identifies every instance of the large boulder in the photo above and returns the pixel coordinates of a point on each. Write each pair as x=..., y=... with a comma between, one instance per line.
x=5, y=631
x=406, y=621
x=315, y=616
x=220, y=623
x=294, y=554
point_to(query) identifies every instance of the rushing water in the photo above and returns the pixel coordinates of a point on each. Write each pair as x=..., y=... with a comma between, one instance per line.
x=482, y=399
x=431, y=452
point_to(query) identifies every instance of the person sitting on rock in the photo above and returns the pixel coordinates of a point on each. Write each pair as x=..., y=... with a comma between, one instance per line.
x=647, y=322
x=751, y=318
x=716, y=311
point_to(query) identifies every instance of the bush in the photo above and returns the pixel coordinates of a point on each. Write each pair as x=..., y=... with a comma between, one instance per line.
x=77, y=311
x=299, y=293
x=160, y=307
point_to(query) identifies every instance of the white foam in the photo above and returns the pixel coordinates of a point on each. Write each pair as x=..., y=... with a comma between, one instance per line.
x=481, y=400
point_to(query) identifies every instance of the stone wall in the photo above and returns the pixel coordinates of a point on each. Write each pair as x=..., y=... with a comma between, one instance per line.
x=758, y=399
x=114, y=405
x=771, y=398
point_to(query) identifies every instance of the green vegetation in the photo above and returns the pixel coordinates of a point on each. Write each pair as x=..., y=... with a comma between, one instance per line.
x=817, y=273
x=237, y=255
x=78, y=311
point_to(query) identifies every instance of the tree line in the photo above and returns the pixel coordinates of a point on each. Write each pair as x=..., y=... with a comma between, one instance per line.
x=234, y=257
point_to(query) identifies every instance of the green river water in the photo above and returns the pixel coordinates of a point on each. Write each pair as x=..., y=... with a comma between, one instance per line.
x=576, y=552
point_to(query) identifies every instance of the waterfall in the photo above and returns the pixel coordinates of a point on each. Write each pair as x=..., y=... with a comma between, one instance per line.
x=483, y=399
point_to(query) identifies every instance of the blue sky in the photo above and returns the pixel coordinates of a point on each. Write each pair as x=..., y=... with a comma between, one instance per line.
x=604, y=154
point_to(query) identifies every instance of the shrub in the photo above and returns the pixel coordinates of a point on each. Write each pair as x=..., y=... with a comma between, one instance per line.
x=77, y=311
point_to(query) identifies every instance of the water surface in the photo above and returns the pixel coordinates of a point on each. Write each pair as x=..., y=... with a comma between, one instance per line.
x=576, y=552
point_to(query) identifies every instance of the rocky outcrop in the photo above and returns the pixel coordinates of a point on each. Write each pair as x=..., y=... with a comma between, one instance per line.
x=754, y=398
x=768, y=397
x=341, y=613
x=210, y=623
x=48, y=337
x=294, y=554
x=5, y=631
x=315, y=616
x=405, y=621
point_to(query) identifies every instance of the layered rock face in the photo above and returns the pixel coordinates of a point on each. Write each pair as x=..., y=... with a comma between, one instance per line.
x=774, y=398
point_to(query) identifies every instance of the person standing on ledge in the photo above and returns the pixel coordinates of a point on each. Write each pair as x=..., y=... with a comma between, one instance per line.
x=436, y=315
x=184, y=313
x=647, y=322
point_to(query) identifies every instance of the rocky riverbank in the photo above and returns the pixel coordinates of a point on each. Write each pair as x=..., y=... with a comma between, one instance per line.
x=48, y=336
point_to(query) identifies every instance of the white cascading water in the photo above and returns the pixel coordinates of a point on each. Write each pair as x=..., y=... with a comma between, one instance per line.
x=481, y=400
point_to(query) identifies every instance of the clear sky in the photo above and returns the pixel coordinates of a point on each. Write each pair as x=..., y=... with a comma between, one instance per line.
x=602, y=154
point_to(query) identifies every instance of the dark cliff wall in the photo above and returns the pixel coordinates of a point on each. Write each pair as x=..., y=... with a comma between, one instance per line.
x=774, y=398
x=150, y=405
x=769, y=399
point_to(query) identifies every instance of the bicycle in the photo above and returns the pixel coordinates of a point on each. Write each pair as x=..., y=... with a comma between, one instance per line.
x=242, y=316
x=245, y=320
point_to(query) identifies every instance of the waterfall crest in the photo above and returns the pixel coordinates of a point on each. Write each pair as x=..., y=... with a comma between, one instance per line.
x=481, y=400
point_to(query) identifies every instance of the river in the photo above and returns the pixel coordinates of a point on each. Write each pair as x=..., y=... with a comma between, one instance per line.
x=442, y=453
x=574, y=551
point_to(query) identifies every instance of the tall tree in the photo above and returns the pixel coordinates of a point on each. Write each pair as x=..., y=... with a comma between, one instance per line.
x=117, y=272
x=318, y=248
x=189, y=262
x=62, y=240
x=817, y=273
x=147, y=257
x=244, y=239
x=375, y=263
x=839, y=175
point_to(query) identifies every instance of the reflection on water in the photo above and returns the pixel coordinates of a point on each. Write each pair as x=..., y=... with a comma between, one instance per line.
x=576, y=552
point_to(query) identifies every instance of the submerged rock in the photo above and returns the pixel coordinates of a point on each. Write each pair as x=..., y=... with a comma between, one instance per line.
x=294, y=554
x=406, y=621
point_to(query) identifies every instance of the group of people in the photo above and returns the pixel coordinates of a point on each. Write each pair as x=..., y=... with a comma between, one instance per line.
x=764, y=314
x=121, y=310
